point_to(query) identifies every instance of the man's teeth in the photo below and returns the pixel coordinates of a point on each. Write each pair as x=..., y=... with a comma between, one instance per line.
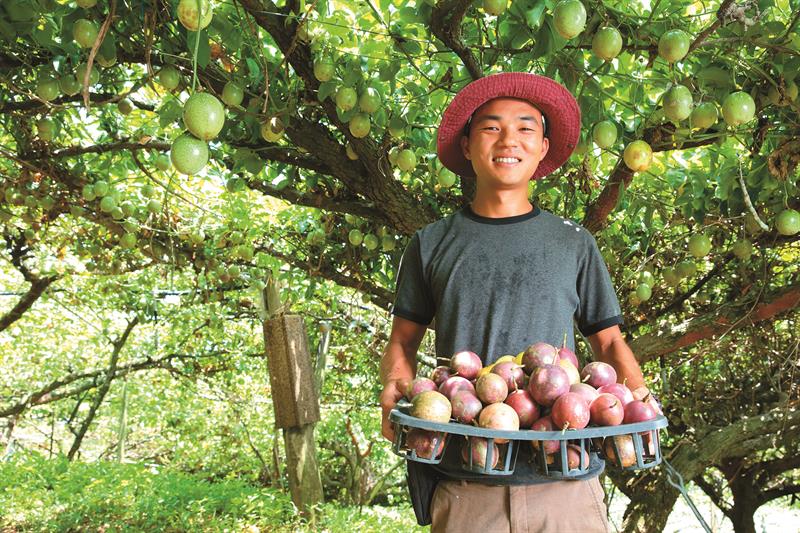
x=507, y=160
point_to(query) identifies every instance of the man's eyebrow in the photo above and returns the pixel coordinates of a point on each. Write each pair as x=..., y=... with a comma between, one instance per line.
x=498, y=117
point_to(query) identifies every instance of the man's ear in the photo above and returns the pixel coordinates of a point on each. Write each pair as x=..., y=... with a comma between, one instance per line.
x=465, y=146
x=545, y=147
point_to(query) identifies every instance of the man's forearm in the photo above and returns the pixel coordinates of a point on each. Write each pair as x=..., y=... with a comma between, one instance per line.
x=619, y=355
x=398, y=362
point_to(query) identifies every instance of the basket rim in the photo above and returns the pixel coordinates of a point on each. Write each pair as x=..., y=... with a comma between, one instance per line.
x=457, y=428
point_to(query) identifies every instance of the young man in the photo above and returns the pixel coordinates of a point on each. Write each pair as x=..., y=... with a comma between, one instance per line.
x=499, y=275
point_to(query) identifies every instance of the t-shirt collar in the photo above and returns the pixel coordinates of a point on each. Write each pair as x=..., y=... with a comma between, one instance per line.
x=472, y=215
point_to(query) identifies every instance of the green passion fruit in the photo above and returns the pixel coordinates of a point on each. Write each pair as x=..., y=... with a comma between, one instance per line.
x=406, y=160
x=188, y=154
x=168, y=77
x=607, y=43
x=569, y=18
x=738, y=108
x=80, y=74
x=47, y=88
x=346, y=98
x=324, y=69
x=85, y=33
x=742, y=249
x=272, y=130
x=604, y=134
x=203, y=116
x=699, y=245
x=638, y=155
x=788, y=222
x=677, y=103
x=370, y=100
x=704, y=116
x=674, y=45
x=195, y=14
x=495, y=7
x=232, y=94
x=46, y=129
x=359, y=125
x=356, y=237
x=69, y=85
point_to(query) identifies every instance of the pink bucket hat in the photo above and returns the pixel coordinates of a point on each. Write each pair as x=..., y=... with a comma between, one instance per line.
x=561, y=112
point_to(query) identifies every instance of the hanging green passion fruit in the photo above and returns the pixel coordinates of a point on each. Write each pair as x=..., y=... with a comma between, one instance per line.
x=203, y=115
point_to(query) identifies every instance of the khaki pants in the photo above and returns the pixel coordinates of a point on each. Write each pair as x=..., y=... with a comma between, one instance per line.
x=560, y=507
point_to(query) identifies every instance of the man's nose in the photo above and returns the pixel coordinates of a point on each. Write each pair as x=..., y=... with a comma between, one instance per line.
x=509, y=137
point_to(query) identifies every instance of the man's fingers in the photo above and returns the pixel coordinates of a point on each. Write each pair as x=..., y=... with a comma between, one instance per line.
x=388, y=431
x=387, y=428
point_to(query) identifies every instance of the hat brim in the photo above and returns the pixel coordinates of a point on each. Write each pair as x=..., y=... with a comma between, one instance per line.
x=553, y=100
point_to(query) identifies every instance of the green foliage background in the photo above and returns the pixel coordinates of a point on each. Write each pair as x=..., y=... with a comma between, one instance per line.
x=719, y=345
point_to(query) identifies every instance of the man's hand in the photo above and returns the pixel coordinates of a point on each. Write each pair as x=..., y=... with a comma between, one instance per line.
x=642, y=393
x=392, y=392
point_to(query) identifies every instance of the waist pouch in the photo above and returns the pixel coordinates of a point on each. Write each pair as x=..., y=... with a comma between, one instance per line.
x=422, y=479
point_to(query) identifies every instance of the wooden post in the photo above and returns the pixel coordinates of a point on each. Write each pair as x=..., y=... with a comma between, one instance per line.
x=294, y=398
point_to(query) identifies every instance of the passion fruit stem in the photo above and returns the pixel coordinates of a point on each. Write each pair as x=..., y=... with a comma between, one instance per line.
x=196, y=47
x=747, y=201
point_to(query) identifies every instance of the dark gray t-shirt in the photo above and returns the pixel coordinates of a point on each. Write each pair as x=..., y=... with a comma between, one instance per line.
x=497, y=285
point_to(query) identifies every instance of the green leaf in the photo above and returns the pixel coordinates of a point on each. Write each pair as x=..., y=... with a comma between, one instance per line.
x=544, y=42
x=203, y=51
x=535, y=15
x=408, y=15
x=326, y=89
x=254, y=74
x=7, y=31
x=621, y=196
x=352, y=76
x=169, y=113
x=388, y=71
x=714, y=76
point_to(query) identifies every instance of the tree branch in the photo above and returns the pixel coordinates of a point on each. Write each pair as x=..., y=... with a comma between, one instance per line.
x=123, y=144
x=319, y=201
x=713, y=494
x=652, y=345
x=46, y=394
x=735, y=440
x=371, y=175
x=597, y=212
x=37, y=105
x=35, y=291
x=445, y=24
x=779, y=492
x=326, y=269
x=290, y=157
x=18, y=250
x=104, y=388
x=714, y=26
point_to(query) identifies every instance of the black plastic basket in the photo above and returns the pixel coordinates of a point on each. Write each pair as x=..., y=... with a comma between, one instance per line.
x=557, y=464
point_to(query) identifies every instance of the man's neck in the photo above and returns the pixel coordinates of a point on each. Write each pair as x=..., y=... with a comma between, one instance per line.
x=500, y=204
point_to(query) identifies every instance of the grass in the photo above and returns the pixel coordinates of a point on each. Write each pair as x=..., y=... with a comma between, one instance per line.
x=38, y=495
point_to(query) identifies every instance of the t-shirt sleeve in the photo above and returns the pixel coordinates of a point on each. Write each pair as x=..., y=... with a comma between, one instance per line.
x=598, y=307
x=413, y=299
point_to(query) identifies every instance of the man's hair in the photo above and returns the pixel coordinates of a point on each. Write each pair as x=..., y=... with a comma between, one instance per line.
x=469, y=122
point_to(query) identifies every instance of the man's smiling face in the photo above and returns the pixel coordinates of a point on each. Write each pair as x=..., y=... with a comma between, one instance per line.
x=506, y=143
